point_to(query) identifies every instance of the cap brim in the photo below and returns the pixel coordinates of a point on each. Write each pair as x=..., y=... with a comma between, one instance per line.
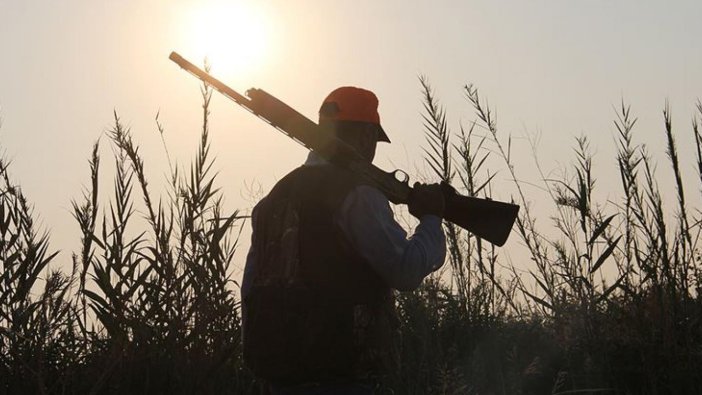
x=382, y=136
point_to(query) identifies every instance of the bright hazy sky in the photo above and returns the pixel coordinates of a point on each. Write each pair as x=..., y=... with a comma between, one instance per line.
x=554, y=68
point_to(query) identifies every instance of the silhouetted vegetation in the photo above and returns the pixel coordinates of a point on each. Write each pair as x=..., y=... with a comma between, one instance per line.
x=149, y=305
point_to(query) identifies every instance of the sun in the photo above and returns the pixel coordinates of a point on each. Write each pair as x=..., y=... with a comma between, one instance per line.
x=232, y=35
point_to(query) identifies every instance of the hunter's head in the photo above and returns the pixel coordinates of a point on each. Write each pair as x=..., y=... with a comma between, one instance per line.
x=352, y=115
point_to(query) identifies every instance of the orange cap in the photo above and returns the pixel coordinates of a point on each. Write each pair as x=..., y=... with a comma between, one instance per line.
x=349, y=103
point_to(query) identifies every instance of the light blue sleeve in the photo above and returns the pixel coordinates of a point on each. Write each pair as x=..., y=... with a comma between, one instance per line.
x=368, y=222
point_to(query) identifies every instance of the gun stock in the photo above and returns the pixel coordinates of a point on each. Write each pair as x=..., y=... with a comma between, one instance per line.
x=488, y=219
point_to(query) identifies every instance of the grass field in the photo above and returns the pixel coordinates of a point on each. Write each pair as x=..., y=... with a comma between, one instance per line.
x=155, y=310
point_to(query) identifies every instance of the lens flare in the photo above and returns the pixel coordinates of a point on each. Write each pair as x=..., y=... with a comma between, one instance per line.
x=231, y=35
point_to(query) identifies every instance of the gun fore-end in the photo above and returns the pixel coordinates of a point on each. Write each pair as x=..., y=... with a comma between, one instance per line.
x=488, y=219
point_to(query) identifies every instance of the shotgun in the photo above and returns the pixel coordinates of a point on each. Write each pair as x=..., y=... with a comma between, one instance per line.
x=487, y=219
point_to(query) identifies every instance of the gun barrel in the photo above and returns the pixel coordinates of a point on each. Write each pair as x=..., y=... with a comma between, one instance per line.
x=215, y=83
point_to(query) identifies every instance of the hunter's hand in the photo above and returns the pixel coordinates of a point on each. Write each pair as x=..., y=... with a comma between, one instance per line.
x=426, y=199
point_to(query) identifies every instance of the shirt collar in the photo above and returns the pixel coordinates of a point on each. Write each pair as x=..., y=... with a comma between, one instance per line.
x=314, y=159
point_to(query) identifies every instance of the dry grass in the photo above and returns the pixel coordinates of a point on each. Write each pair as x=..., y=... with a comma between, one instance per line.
x=154, y=310
x=635, y=332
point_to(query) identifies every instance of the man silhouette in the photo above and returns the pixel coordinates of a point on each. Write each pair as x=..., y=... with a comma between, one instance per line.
x=326, y=254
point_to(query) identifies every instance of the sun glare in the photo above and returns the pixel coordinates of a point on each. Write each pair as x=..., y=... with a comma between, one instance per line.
x=231, y=34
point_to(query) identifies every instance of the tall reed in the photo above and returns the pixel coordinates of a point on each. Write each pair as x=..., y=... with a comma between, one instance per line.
x=604, y=298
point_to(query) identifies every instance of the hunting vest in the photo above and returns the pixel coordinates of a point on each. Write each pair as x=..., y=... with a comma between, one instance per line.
x=315, y=311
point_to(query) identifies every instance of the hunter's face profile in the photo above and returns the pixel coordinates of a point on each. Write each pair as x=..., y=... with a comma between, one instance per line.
x=362, y=136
